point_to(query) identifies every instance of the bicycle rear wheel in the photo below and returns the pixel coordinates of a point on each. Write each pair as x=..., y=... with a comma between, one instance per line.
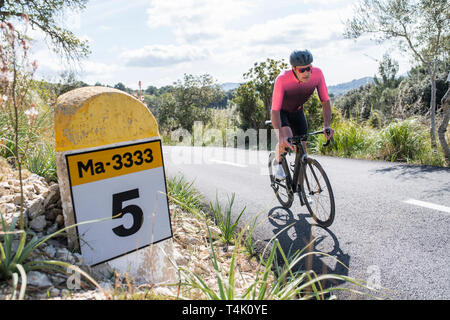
x=317, y=193
x=282, y=188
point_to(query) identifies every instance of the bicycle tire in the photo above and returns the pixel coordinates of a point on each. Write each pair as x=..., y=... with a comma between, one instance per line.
x=282, y=188
x=316, y=185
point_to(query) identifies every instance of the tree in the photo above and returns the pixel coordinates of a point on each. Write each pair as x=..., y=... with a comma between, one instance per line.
x=388, y=69
x=249, y=106
x=68, y=82
x=166, y=114
x=120, y=86
x=42, y=15
x=421, y=28
x=152, y=90
x=188, y=100
x=443, y=126
x=200, y=91
x=262, y=76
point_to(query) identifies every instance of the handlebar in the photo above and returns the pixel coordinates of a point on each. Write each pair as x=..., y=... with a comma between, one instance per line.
x=299, y=139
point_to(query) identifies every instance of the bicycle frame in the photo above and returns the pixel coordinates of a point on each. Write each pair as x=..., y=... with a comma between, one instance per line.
x=300, y=157
x=300, y=161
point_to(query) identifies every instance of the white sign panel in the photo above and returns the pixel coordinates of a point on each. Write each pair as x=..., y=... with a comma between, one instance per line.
x=127, y=184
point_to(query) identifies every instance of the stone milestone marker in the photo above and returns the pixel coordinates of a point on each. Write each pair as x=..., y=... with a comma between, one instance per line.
x=110, y=165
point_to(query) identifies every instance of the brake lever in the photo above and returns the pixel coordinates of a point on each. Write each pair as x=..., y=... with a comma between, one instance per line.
x=328, y=141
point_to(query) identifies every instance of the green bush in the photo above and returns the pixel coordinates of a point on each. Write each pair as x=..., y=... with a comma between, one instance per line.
x=352, y=139
x=402, y=141
x=41, y=161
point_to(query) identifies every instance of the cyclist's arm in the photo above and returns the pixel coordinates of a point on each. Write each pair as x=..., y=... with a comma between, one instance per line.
x=326, y=109
x=276, y=119
x=276, y=123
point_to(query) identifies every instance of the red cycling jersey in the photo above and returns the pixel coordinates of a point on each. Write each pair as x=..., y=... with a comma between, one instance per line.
x=290, y=95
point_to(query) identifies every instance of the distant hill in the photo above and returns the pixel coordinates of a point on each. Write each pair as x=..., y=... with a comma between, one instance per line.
x=342, y=88
x=227, y=86
x=337, y=90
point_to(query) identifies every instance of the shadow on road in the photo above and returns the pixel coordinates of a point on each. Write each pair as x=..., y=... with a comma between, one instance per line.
x=416, y=172
x=294, y=233
x=411, y=170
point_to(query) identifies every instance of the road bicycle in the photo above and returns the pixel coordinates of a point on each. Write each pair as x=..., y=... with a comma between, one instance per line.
x=316, y=192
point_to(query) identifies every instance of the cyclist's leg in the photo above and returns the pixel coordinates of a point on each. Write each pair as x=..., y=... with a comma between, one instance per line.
x=299, y=127
x=285, y=131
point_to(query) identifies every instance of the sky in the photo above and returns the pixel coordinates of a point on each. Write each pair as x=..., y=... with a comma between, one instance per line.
x=158, y=41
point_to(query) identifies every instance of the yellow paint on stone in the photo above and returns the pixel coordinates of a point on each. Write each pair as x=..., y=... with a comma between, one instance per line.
x=96, y=116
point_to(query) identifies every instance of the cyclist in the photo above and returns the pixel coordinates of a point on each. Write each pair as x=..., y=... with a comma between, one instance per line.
x=291, y=90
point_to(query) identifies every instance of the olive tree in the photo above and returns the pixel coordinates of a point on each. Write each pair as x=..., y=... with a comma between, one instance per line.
x=421, y=28
x=45, y=15
x=262, y=76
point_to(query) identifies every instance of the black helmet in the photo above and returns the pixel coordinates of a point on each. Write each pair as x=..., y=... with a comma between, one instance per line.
x=300, y=58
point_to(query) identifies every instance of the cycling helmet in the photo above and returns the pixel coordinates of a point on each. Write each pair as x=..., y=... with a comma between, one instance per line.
x=300, y=58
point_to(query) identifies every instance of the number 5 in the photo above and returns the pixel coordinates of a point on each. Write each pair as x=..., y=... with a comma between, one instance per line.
x=135, y=211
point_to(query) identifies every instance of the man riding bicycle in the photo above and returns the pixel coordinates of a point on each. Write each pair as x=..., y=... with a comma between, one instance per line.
x=291, y=90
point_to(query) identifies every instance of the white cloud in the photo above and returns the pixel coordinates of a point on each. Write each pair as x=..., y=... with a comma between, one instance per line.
x=162, y=55
x=91, y=68
x=311, y=29
x=196, y=20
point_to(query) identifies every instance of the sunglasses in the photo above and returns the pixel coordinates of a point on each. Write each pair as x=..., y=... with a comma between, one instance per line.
x=301, y=70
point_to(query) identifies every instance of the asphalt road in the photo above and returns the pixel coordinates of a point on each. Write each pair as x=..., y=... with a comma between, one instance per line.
x=392, y=220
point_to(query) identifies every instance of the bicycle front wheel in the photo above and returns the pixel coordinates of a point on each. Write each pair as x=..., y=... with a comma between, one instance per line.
x=317, y=193
x=282, y=188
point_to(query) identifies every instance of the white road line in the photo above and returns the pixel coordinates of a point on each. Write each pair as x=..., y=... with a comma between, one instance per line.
x=229, y=163
x=428, y=205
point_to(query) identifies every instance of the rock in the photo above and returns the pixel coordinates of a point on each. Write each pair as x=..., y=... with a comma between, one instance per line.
x=51, y=251
x=41, y=189
x=193, y=240
x=54, y=292
x=38, y=279
x=15, y=183
x=103, y=270
x=36, y=207
x=6, y=208
x=79, y=258
x=17, y=199
x=180, y=259
x=53, y=228
x=6, y=199
x=28, y=191
x=60, y=220
x=162, y=291
x=53, y=195
x=64, y=255
x=107, y=286
x=38, y=224
x=5, y=185
x=51, y=214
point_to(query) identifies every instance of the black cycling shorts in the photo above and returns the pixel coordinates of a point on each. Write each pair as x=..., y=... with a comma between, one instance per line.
x=295, y=120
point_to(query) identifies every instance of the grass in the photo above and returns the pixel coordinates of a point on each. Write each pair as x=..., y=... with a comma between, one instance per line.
x=15, y=263
x=402, y=140
x=224, y=220
x=183, y=193
x=41, y=161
